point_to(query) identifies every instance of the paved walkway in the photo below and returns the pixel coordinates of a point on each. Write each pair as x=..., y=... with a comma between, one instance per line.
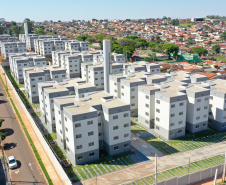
x=164, y=163
x=46, y=159
x=146, y=149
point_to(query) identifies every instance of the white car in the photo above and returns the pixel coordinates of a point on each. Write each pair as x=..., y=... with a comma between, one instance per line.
x=12, y=162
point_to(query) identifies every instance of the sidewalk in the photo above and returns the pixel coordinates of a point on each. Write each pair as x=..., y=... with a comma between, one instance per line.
x=46, y=159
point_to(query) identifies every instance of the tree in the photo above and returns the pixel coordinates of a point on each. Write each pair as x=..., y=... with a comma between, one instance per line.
x=13, y=23
x=126, y=42
x=2, y=135
x=190, y=41
x=151, y=58
x=10, y=32
x=175, y=22
x=39, y=32
x=223, y=36
x=82, y=37
x=2, y=30
x=90, y=40
x=199, y=51
x=216, y=48
x=128, y=51
x=30, y=25
x=16, y=30
x=209, y=43
x=181, y=39
x=171, y=48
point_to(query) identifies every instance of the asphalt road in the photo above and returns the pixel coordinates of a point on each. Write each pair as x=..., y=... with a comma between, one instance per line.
x=28, y=171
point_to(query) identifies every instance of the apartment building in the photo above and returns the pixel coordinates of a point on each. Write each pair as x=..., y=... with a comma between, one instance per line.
x=146, y=105
x=34, y=75
x=217, y=104
x=197, y=108
x=170, y=110
x=12, y=47
x=94, y=73
x=52, y=89
x=87, y=125
x=19, y=61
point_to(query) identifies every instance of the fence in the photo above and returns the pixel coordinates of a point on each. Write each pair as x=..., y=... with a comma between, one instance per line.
x=38, y=131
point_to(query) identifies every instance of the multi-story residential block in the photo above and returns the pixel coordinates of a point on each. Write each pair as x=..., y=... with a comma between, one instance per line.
x=34, y=75
x=12, y=47
x=85, y=126
x=146, y=105
x=217, y=104
x=170, y=110
x=197, y=108
x=19, y=61
x=51, y=89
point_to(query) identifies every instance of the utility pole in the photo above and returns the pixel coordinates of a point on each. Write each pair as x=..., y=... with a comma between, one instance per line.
x=223, y=175
x=189, y=165
x=156, y=180
x=215, y=178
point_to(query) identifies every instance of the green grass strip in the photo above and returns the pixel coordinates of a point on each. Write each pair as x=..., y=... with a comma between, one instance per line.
x=29, y=138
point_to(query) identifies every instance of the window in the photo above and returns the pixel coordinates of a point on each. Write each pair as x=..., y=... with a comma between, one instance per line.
x=132, y=97
x=40, y=78
x=204, y=124
x=126, y=145
x=91, y=154
x=180, y=113
x=206, y=98
x=115, y=117
x=89, y=122
x=179, y=131
x=116, y=137
x=198, y=109
x=90, y=133
x=116, y=148
x=77, y=125
x=133, y=104
x=133, y=89
x=80, y=157
x=126, y=135
x=173, y=105
x=158, y=101
x=205, y=116
x=206, y=107
x=198, y=100
x=66, y=129
x=157, y=127
x=91, y=144
x=172, y=115
x=99, y=124
x=211, y=97
x=126, y=125
x=147, y=97
x=197, y=126
x=157, y=110
x=171, y=133
x=122, y=94
x=33, y=85
x=171, y=124
x=146, y=105
x=100, y=134
x=146, y=113
x=197, y=118
x=224, y=109
x=122, y=87
x=115, y=127
x=126, y=115
x=157, y=119
x=180, y=122
x=210, y=113
x=67, y=139
x=79, y=147
x=78, y=136
x=181, y=104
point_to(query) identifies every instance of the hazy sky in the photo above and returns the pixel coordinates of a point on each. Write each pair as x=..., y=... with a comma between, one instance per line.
x=66, y=10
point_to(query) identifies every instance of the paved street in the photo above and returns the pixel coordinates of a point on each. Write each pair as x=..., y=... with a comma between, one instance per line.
x=28, y=171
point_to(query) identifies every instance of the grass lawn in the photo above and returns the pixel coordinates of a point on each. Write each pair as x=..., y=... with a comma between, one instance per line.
x=135, y=128
x=107, y=165
x=220, y=58
x=188, y=142
x=182, y=170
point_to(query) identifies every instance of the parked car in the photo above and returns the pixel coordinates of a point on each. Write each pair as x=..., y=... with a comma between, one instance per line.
x=12, y=162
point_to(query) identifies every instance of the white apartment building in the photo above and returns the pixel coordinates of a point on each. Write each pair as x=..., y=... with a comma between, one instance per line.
x=34, y=75
x=197, y=108
x=20, y=61
x=170, y=110
x=94, y=73
x=85, y=126
x=12, y=47
x=146, y=105
x=217, y=104
x=52, y=89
